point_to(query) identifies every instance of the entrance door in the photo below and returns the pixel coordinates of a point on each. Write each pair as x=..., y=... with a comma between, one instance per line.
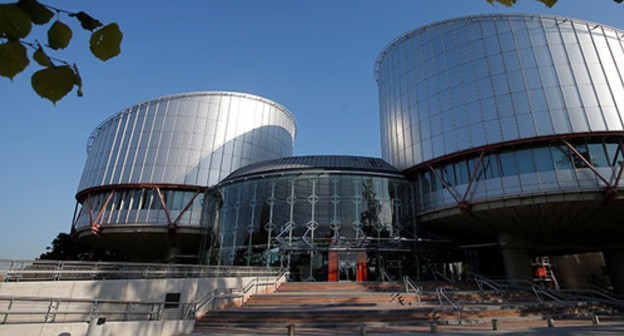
x=347, y=266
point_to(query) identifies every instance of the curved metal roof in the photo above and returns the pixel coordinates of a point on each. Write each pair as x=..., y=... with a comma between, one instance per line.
x=296, y=164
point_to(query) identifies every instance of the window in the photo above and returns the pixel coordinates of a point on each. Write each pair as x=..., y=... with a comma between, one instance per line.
x=172, y=300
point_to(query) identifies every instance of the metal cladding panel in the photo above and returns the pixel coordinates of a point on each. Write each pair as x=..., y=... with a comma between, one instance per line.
x=481, y=80
x=189, y=139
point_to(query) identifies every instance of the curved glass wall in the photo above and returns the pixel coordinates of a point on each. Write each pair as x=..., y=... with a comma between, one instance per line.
x=481, y=80
x=530, y=169
x=296, y=219
x=141, y=206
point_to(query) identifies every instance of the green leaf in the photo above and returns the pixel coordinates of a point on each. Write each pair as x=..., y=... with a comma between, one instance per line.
x=14, y=22
x=548, y=3
x=42, y=58
x=59, y=35
x=78, y=81
x=38, y=13
x=105, y=42
x=53, y=83
x=86, y=21
x=13, y=58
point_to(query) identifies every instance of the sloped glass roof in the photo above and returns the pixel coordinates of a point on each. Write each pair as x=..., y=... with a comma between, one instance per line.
x=315, y=163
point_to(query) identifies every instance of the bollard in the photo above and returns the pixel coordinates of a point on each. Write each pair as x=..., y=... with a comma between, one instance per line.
x=595, y=319
x=363, y=330
x=494, y=324
x=291, y=330
x=434, y=327
x=550, y=322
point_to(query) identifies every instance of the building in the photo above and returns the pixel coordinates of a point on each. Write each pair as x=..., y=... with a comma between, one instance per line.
x=148, y=168
x=323, y=217
x=510, y=127
x=502, y=140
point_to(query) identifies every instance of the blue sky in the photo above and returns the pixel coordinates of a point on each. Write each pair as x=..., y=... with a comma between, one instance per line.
x=314, y=57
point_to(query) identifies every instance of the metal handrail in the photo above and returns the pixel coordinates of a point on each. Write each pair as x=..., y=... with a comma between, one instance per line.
x=595, y=294
x=483, y=282
x=443, y=298
x=49, y=310
x=410, y=286
x=235, y=293
x=541, y=292
x=437, y=274
x=384, y=276
x=46, y=270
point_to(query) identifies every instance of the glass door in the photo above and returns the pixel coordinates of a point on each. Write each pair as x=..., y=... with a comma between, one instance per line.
x=347, y=266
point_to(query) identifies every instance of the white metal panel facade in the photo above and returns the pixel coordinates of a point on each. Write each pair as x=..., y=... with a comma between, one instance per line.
x=189, y=139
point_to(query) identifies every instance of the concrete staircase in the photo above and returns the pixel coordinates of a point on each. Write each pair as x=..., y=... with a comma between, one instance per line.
x=327, y=305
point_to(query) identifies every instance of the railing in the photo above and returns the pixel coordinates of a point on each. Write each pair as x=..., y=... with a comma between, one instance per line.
x=50, y=310
x=212, y=301
x=444, y=299
x=384, y=276
x=410, y=286
x=483, y=283
x=48, y=270
x=594, y=294
x=541, y=293
x=437, y=275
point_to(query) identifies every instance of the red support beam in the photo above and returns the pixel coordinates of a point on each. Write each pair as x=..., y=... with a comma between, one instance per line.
x=172, y=225
x=95, y=226
x=473, y=176
x=610, y=189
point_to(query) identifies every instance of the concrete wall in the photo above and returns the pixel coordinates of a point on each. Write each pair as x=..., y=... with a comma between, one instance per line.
x=133, y=328
x=145, y=290
x=142, y=290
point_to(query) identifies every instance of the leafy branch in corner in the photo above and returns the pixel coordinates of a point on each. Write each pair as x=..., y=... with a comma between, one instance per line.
x=58, y=77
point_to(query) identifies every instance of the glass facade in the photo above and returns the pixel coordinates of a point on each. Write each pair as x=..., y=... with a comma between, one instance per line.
x=141, y=206
x=530, y=169
x=305, y=218
x=482, y=80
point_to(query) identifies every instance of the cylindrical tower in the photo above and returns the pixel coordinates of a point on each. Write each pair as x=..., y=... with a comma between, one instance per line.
x=322, y=217
x=509, y=124
x=147, y=167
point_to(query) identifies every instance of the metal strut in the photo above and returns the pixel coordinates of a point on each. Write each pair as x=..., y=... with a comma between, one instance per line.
x=462, y=203
x=610, y=190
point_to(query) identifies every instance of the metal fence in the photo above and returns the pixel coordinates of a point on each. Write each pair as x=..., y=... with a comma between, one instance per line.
x=51, y=310
x=49, y=270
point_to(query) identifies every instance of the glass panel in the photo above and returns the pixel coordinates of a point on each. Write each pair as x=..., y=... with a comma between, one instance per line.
x=598, y=155
x=543, y=159
x=491, y=166
x=525, y=161
x=461, y=171
x=561, y=155
x=508, y=164
x=613, y=153
x=584, y=154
